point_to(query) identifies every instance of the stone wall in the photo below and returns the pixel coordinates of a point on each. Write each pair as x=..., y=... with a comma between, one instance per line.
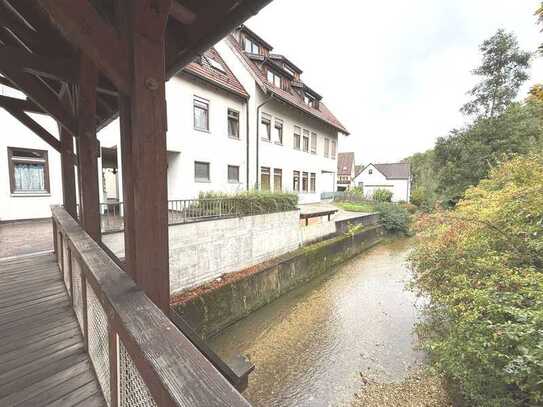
x=203, y=251
x=211, y=309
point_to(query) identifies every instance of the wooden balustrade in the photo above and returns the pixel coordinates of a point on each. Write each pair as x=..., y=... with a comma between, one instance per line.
x=139, y=356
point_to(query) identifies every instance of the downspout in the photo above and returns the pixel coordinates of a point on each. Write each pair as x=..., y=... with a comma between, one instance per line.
x=247, y=132
x=258, y=139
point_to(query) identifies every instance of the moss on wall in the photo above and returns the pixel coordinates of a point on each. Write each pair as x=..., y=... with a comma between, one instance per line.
x=215, y=309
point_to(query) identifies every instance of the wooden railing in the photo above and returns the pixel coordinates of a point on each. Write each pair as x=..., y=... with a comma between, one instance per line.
x=139, y=356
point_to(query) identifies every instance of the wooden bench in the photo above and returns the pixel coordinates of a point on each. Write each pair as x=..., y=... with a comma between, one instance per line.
x=320, y=214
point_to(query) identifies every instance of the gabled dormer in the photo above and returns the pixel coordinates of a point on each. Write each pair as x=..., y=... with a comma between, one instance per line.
x=251, y=43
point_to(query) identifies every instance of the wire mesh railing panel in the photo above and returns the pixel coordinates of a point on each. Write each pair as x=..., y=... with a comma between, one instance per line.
x=98, y=341
x=133, y=391
x=77, y=292
x=66, y=265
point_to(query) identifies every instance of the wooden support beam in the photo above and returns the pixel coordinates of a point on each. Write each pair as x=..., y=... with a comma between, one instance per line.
x=67, y=165
x=35, y=127
x=182, y=14
x=144, y=159
x=40, y=94
x=20, y=104
x=81, y=25
x=58, y=68
x=87, y=147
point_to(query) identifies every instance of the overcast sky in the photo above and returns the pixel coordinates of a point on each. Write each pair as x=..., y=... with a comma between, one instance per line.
x=394, y=72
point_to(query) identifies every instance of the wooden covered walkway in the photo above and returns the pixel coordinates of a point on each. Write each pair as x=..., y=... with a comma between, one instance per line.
x=42, y=356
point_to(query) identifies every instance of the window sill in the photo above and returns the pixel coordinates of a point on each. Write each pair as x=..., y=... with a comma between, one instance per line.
x=234, y=182
x=202, y=130
x=234, y=138
x=203, y=181
x=29, y=194
x=278, y=144
x=265, y=140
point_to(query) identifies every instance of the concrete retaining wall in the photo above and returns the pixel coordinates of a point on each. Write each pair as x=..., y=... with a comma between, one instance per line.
x=202, y=251
x=214, y=308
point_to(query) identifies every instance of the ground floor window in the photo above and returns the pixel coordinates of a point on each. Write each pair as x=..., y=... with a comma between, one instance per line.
x=313, y=182
x=305, y=182
x=233, y=174
x=277, y=180
x=28, y=171
x=201, y=172
x=265, y=178
x=296, y=181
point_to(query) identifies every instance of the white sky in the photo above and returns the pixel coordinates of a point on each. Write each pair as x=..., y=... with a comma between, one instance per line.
x=394, y=72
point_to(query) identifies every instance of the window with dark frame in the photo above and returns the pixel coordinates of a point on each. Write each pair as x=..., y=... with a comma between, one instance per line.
x=278, y=131
x=297, y=138
x=266, y=127
x=313, y=182
x=233, y=124
x=251, y=46
x=333, y=149
x=306, y=141
x=326, y=147
x=278, y=180
x=275, y=79
x=202, y=171
x=233, y=174
x=305, y=182
x=296, y=181
x=201, y=114
x=313, y=143
x=28, y=171
x=265, y=179
x=370, y=171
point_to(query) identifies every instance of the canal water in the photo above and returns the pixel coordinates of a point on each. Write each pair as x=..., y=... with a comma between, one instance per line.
x=316, y=345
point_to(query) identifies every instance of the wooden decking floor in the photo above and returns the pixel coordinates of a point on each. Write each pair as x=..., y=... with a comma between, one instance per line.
x=42, y=359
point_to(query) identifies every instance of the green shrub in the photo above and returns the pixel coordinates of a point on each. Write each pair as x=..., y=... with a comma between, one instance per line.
x=382, y=195
x=480, y=266
x=252, y=202
x=393, y=217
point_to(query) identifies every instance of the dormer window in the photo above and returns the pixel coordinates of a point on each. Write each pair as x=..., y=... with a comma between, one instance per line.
x=274, y=79
x=310, y=101
x=290, y=71
x=251, y=46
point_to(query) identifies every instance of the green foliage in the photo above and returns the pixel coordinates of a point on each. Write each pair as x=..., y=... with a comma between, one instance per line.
x=393, y=217
x=382, y=195
x=363, y=206
x=481, y=268
x=253, y=202
x=467, y=155
x=504, y=70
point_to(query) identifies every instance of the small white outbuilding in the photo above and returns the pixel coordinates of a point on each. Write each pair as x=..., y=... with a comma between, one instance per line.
x=395, y=177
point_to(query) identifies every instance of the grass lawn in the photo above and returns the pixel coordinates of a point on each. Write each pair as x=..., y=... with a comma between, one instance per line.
x=356, y=207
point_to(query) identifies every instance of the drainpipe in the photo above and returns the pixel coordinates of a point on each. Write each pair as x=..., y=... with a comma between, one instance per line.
x=247, y=137
x=258, y=139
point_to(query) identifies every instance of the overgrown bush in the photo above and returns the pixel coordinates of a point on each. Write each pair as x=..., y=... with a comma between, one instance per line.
x=481, y=267
x=393, y=217
x=382, y=195
x=253, y=202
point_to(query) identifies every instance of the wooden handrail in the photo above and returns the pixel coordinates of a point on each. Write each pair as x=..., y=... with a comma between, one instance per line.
x=172, y=370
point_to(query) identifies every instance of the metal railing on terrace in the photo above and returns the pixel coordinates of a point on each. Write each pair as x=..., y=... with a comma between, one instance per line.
x=197, y=210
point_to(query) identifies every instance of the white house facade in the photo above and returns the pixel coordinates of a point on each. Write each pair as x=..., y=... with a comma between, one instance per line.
x=294, y=137
x=394, y=177
x=29, y=167
x=232, y=127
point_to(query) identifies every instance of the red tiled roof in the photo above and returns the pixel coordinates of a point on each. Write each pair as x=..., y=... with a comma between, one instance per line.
x=345, y=163
x=292, y=98
x=225, y=80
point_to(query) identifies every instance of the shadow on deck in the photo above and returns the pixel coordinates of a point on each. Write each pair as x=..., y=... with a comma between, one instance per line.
x=42, y=356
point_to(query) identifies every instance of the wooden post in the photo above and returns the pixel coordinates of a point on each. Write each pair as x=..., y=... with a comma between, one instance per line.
x=87, y=148
x=143, y=145
x=68, y=172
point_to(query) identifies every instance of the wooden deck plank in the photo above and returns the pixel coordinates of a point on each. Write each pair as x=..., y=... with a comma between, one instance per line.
x=42, y=357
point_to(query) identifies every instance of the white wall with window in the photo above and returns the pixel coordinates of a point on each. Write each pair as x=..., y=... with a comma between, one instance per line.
x=30, y=168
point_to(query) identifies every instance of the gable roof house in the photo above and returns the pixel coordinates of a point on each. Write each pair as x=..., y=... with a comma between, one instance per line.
x=295, y=141
x=345, y=170
x=395, y=177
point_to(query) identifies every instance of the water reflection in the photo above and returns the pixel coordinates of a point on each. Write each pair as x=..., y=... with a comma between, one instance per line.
x=311, y=345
